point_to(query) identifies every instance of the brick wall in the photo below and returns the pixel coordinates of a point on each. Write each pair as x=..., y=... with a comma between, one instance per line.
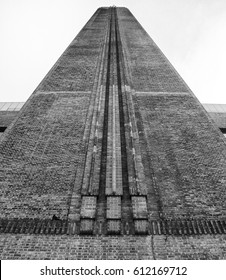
x=112, y=117
x=42, y=150
x=40, y=153
x=183, y=153
x=186, y=152
x=112, y=248
x=219, y=119
x=7, y=117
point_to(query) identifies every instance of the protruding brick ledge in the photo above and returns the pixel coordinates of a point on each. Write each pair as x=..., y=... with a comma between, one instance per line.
x=143, y=227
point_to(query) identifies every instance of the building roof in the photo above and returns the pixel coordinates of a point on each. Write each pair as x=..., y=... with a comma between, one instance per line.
x=11, y=106
x=215, y=108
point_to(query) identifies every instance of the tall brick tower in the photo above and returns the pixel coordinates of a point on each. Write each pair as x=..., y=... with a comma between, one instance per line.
x=113, y=157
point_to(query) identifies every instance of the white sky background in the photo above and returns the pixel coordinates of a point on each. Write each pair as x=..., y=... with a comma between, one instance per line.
x=191, y=33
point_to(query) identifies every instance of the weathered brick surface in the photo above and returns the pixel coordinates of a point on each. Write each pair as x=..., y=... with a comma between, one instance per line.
x=113, y=207
x=139, y=205
x=219, y=119
x=40, y=153
x=149, y=68
x=88, y=207
x=114, y=247
x=190, y=248
x=75, y=70
x=141, y=226
x=7, y=117
x=187, y=154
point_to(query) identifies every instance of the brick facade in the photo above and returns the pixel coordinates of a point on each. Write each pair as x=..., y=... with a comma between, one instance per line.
x=112, y=248
x=113, y=157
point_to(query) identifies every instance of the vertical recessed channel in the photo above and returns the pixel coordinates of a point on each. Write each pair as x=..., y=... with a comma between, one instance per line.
x=126, y=200
x=101, y=201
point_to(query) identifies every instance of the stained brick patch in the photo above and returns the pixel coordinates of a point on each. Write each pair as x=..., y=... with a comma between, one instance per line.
x=113, y=207
x=88, y=207
x=139, y=205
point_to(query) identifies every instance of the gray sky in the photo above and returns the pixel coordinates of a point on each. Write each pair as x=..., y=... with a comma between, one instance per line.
x=191, y=33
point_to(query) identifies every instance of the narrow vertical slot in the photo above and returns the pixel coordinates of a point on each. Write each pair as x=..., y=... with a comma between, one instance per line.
x=101, y=200
x=127, y=218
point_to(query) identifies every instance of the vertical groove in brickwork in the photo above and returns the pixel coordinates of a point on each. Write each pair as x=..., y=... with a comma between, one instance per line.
x=131, y=167
x=114, y=144
x=87, y=175
x=135, y=167
x=114, y=172
x=101, y=201
x=126, y=201
x=135, y=129
x=148, y=162
x=154, y=201
x=92, y=147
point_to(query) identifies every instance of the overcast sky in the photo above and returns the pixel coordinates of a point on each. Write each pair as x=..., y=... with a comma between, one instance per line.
x=191, y=33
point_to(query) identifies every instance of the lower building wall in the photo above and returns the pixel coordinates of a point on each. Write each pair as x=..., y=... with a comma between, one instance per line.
x=219, y=119
x=20, y=246
x=7, y=117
